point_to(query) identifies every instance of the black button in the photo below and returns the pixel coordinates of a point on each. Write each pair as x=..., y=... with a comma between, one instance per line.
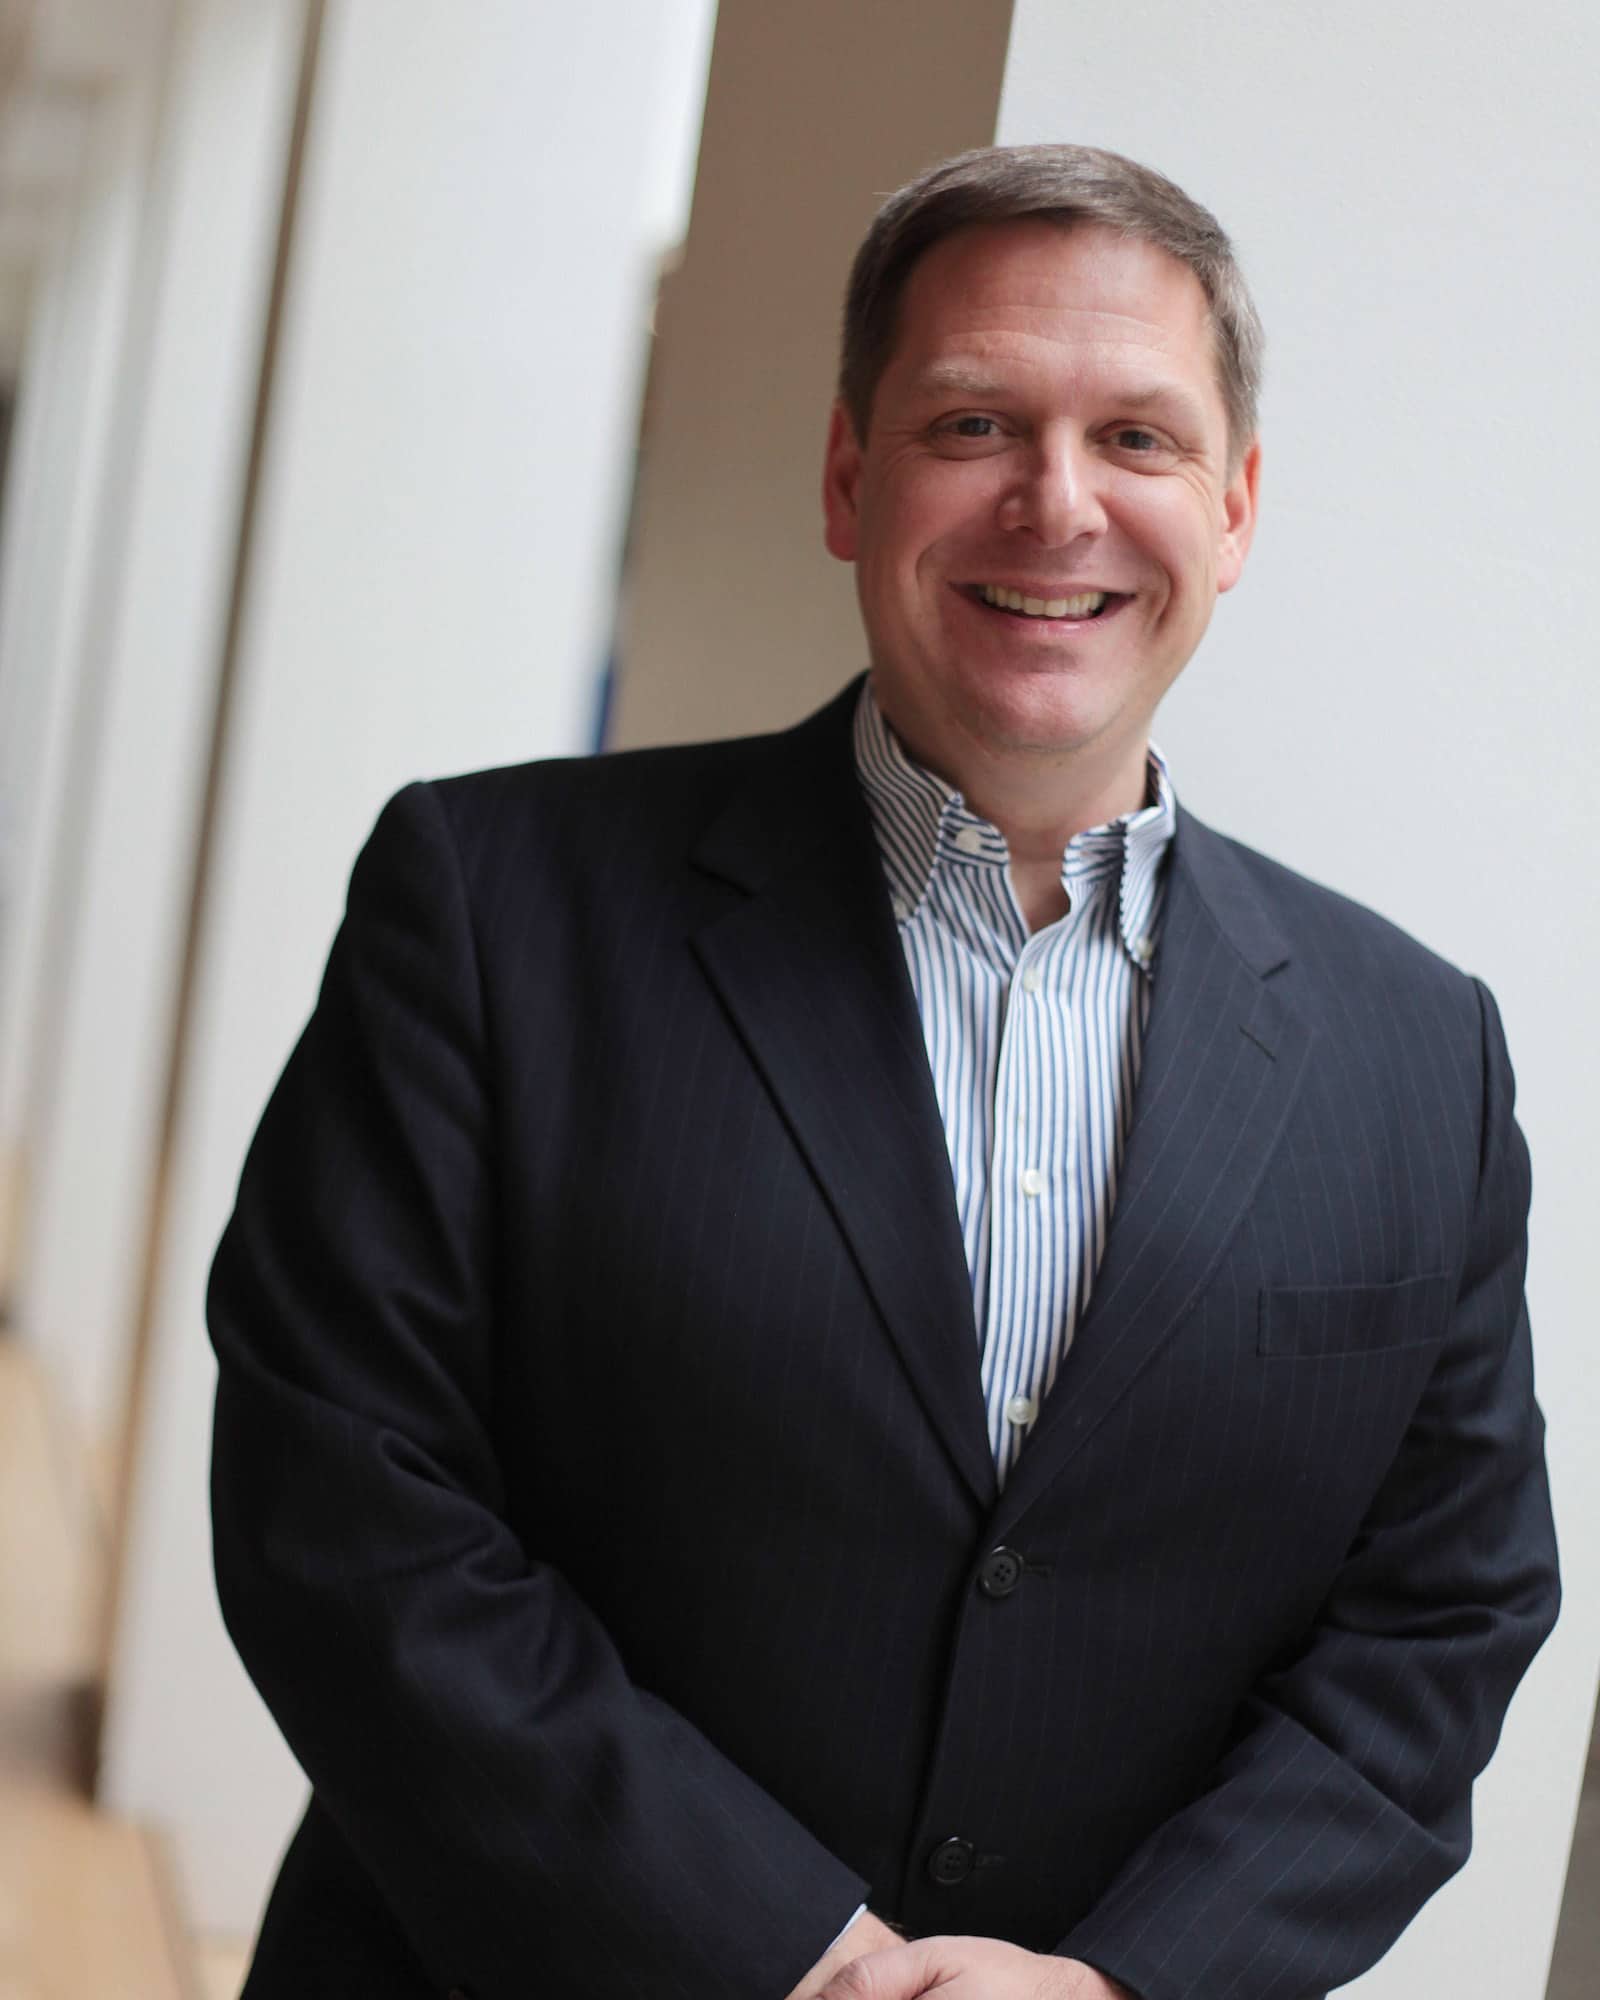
x=951, y=1862
x=1000, y=1572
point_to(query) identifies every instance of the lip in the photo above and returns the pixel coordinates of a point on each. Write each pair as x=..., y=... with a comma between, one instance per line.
x=1035, y=589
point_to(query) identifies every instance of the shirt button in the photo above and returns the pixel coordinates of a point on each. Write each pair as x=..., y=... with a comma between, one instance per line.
x=970, y=840
x=1021, y=1410
x=1032, y=1181
x=1145, y=950
x=951, y=1862
x=1032, y=979
x=902, y=909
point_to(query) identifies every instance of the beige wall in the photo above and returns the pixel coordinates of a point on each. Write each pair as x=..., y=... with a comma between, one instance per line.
x=735, y=618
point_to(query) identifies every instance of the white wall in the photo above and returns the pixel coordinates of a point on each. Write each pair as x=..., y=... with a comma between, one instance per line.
x=447, y=463
x=1401, y=698
x=56, y=521
x=187, y=390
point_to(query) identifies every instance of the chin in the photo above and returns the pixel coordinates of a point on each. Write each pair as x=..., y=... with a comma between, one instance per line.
x=1034, y=717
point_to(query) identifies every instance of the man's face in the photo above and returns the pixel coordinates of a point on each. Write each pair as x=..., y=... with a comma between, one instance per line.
x=1050, y=426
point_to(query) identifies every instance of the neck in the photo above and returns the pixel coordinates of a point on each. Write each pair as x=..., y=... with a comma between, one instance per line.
x=1038, y=824
x=1040, y=810
x=1039, y=799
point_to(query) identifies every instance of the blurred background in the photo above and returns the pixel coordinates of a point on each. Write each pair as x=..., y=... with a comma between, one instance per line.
x=392, y=387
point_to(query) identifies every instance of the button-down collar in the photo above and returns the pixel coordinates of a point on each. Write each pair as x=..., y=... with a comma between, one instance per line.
x=922, y=824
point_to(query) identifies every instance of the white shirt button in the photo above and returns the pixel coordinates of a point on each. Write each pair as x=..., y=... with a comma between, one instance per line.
x=902, y=909
x=1021, y=1410
x=1032, y=1181
x=970, y=840
x=1144, y=950
x=1032, y=979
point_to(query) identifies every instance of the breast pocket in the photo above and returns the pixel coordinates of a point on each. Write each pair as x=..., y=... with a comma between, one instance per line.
x=1320, y=1322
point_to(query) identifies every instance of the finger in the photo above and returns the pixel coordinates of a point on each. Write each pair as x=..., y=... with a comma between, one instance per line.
x=903, y=1972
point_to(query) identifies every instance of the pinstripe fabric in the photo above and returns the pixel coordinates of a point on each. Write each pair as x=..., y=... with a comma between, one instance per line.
x=1034, y=1045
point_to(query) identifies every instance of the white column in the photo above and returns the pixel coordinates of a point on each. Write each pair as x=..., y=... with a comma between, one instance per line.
x=190, y=365
x=55, y=523
x=1401, y=699
x=430, y=588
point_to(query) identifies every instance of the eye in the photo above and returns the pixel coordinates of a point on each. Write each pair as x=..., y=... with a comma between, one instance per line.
x=1131, y=438
x=969, y=434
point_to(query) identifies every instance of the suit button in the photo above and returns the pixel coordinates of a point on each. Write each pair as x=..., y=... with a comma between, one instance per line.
x=950, y=1863
x=1000, y=1572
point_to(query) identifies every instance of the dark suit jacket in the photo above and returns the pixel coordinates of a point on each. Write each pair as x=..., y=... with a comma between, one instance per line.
x=601, y=1485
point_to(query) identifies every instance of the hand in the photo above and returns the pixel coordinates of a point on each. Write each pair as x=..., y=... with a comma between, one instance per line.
x=968, y=1968
x=867, y=1934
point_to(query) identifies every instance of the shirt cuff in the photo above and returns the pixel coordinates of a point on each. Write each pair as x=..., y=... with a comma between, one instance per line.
x=839, y=1940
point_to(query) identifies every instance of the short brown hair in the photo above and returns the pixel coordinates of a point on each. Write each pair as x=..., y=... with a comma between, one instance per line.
x=1065, y=184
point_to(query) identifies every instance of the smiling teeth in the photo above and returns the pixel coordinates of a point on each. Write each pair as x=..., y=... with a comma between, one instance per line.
x=1043, y=607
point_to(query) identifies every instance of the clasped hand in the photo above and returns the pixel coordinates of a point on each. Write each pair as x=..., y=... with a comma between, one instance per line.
x=965, y=1968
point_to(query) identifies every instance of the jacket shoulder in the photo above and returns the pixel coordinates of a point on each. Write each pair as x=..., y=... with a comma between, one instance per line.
x=607, y=784
x=1347, y=940
x=621, y=812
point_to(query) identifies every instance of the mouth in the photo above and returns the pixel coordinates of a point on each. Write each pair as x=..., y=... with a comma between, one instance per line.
x=1080, y=608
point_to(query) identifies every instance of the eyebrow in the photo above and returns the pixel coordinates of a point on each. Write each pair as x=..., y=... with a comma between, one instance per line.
x=955, y=378
x=1166, y=395
x=952, y=376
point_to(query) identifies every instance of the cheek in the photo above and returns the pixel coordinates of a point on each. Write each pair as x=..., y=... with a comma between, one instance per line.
x=1181, y=538
x=927, y=507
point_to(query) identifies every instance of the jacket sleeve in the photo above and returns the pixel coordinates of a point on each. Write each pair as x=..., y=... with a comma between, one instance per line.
x=1344, y=1800
x=534, y=1822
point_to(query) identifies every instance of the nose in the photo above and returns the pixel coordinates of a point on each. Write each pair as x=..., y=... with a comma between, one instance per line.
x=1054, y=496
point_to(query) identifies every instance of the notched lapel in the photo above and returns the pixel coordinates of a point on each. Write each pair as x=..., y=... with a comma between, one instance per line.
x=811, y=972
x=1223, y=1058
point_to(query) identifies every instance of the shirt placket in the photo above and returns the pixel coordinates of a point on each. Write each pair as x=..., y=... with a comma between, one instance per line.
x=970, y=900
x=1031, y=1172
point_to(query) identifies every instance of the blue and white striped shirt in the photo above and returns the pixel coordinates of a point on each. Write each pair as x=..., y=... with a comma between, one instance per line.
x=1034, y=1043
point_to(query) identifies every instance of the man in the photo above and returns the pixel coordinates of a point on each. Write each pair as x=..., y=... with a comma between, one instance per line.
x=874, y=1327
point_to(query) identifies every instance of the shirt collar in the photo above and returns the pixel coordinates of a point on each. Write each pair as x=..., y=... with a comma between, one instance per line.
x=923, y=825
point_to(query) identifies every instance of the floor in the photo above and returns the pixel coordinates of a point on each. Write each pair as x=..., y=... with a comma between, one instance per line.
x=87, y=1903
x=87, y=1909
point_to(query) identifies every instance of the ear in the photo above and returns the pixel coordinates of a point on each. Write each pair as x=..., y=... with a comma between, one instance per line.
x=841, y=485
x=1238, y=518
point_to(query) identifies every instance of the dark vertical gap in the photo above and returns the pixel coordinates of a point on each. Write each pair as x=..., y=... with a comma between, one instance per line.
x=1575, y=1964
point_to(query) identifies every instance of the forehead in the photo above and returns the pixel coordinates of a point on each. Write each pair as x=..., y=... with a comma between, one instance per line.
x=1037, y=291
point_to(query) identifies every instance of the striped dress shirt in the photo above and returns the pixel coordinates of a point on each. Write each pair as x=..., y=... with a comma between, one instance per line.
x=1034, y=1044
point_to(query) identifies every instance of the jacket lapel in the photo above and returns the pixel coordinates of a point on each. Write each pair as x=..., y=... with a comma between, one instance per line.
x=809, y=966
x=1223, y=1057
